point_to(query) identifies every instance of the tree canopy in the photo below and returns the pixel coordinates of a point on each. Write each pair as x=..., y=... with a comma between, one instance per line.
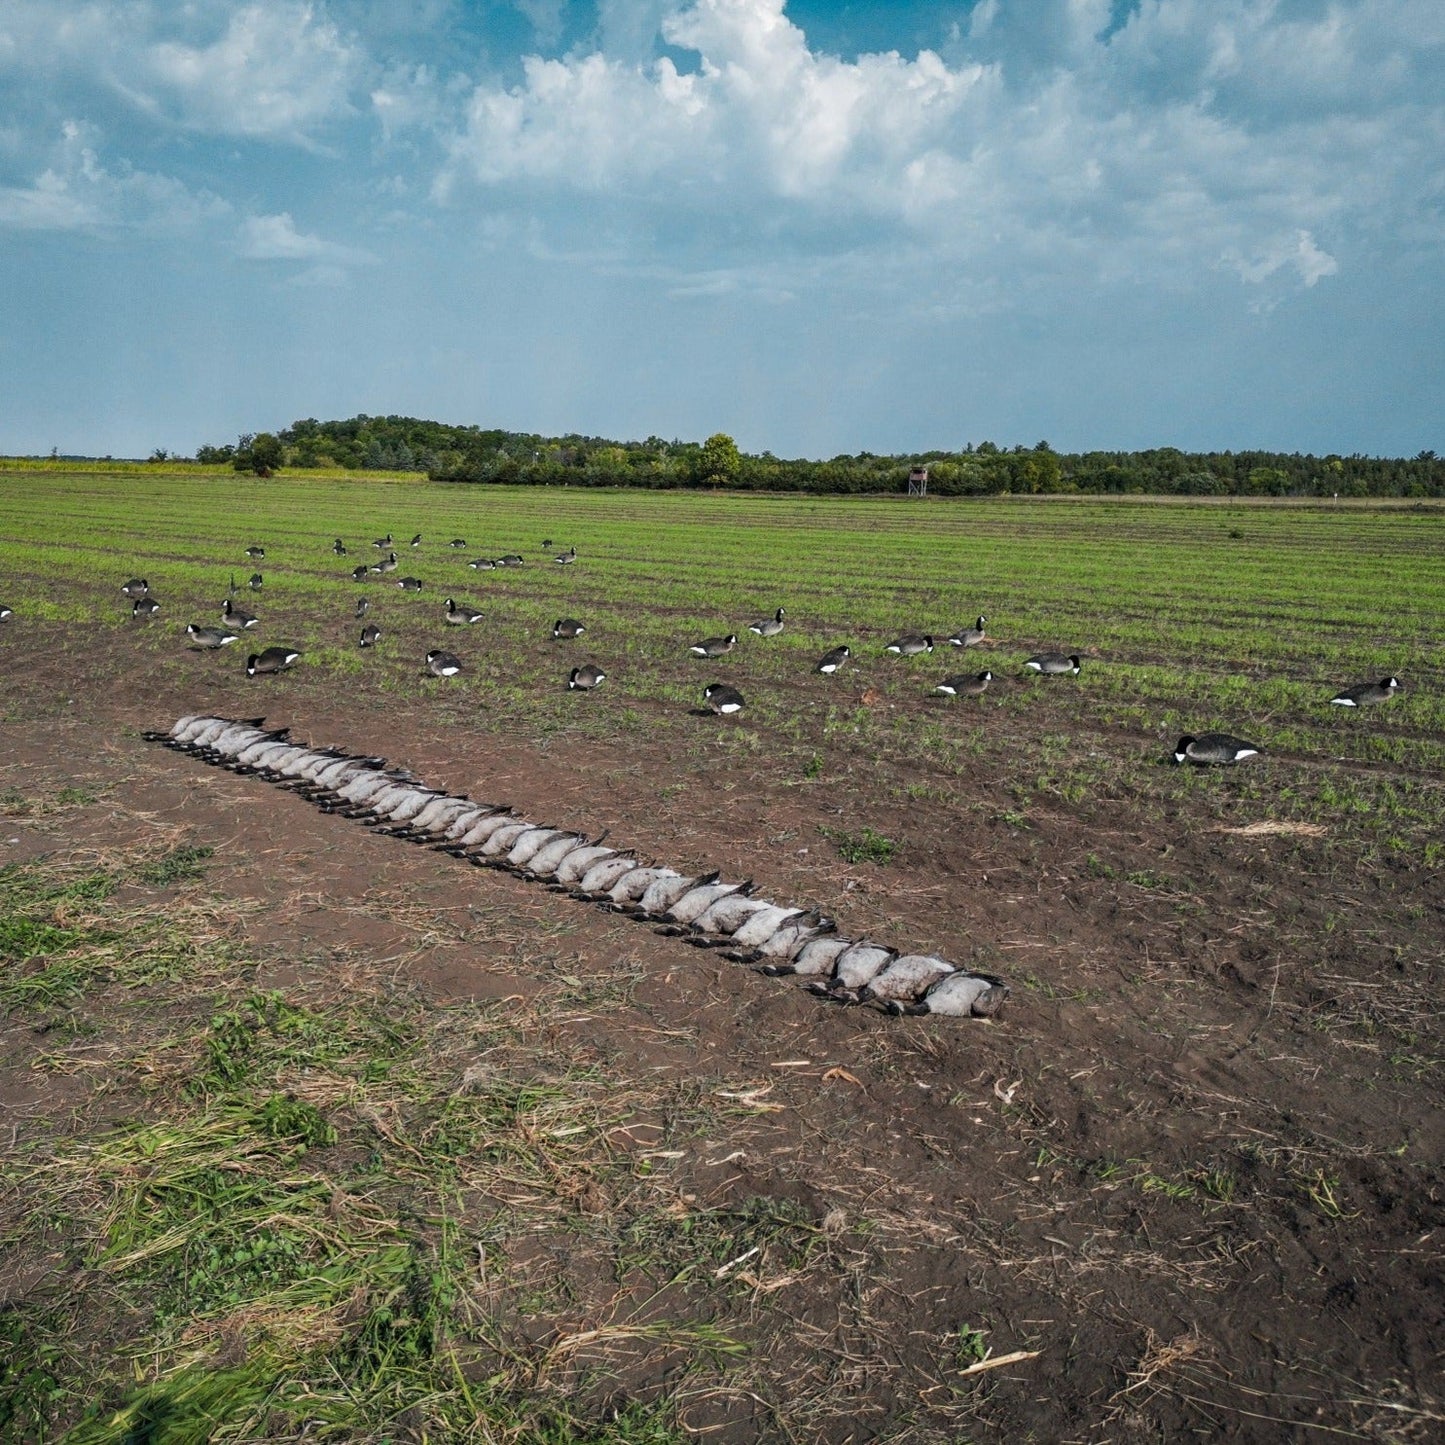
x=476, y=454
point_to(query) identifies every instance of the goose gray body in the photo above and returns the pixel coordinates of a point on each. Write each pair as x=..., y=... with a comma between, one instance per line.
x=763, y=924
x=271, y=660
x=585, y=678
x=816, y=958
x=1054, y=664
x=604, y=873
x=409, y=584
x=566, y=628
x=483, y=828
x=573, y=868
x=714, y=646
x=636, y=881
x=791, y=937
x=728, y=914
x=135, y=588
x=443, y=664
x=1213, y=749
x=906, y=979
x=911, y=644
x=860, y=964
x=965, y=685
x=210, y=638
x=722, y=699
x=663, y=892
x=370, y=635
x=958, y=995
x=144, y=607
x=1363, y=694
x=500, y=843
x=968, y=636
x=461, y=614
x=530, y=844
x=546, y=861
x=769, y=626
x=831, y=661
x=234, y=617
x=696, y=901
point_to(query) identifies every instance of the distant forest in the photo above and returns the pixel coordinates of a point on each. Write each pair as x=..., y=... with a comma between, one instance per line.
x=474, y=454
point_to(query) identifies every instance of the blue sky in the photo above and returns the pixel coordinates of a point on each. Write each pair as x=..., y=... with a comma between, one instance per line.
x=819, y=227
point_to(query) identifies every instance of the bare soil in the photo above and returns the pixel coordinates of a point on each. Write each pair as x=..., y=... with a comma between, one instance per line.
x=1192, y=1174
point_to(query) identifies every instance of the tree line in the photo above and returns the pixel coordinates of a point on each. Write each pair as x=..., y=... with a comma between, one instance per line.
x=476, y=454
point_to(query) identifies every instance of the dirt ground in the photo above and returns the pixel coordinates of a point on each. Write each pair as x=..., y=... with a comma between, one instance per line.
x=1192, y=1173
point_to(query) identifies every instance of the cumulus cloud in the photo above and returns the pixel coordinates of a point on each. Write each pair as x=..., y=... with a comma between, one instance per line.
x=277, y=71
x=275, y=238
x=78, y=191
x=280, y=70
x=1164, y=141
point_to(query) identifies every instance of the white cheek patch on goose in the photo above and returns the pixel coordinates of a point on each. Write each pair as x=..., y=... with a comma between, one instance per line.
x=706, y=911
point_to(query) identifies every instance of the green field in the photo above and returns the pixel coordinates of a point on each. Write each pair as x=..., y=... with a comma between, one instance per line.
x=318, y=1136
x=1239, y=617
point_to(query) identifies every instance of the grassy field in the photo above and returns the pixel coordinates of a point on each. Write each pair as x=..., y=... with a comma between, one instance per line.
x=276, y=1174
x=1189, y=618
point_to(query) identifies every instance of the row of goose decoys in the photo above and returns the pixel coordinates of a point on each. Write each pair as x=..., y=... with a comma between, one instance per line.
x=722, y=698
x=778, y=938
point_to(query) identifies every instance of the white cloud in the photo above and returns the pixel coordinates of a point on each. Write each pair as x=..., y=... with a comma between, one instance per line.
x=275, y=238
x=77, y=191
x=762, y=113
x=279, y=71
x=1052, y=140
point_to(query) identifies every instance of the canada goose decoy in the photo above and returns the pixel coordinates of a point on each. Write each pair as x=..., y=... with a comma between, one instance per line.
x=1054, y=664
x=546, y=544
x=964, y=686
x=968, y=636
x=255, y=553
x=360, y=574
x=363, y=606
x=957, y=995
x=144, y=607
x=136, y=587
x=255, y=582
x=1213, y=749
x=443, y=664
x=370, y=635
x=584, y=679
x=209, y=637
x=512, y=559
x=769, y=626
x=382, y=543
x=236, y=617
x=714, y=646
x=722, y=699
x=416, y=541
x=482, y=564
x=830, y=662
x=339, y=547
x=563, y=558
x=461, y=616
x=565, y=628
x=273, y=659
x=1364, y=693
x=911, y=644
x=409, y=584
x=457, y=542
x=6, y=614
x=387, y=564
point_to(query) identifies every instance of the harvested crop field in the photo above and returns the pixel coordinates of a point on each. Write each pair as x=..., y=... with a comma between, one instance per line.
x=317, y=1134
